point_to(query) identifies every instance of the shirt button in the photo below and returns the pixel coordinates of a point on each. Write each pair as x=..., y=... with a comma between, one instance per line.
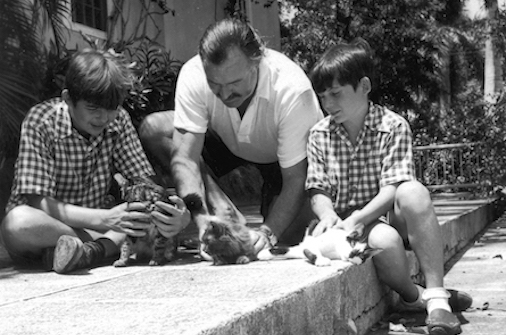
x=353, y=188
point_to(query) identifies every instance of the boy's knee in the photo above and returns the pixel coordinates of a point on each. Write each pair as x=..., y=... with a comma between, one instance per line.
x=156, y=125
x=384, y=236
x=412, y=194
x=15, y=222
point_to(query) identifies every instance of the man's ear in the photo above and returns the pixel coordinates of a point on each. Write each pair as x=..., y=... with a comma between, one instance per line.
x=366, y=85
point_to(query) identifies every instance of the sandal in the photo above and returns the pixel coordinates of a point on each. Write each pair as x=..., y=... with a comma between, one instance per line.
x=459, y=301
x=442, y=322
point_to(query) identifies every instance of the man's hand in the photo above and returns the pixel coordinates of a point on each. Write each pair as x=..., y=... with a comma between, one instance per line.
x=262, y=238
x=170, y=218
x=129, y=218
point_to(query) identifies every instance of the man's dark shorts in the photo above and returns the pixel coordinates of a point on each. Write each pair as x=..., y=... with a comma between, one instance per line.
x=221, y=161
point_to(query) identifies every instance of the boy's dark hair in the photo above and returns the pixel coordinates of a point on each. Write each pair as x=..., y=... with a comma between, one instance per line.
x=98, y=77
x=347, y=63
x=222, y=35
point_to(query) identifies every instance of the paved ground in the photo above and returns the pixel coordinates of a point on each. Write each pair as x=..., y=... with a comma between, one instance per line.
x=192, y=297
x=479, y=270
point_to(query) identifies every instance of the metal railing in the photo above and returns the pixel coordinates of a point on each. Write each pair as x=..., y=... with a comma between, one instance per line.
x=448, y=167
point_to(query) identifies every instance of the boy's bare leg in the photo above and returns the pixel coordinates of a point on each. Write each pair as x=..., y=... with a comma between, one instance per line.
x=27, y=232
x=392, y=264
x=416, y=220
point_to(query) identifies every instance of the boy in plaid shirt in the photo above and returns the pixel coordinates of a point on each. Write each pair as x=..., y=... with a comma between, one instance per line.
x=361, y=179
x=69, y=149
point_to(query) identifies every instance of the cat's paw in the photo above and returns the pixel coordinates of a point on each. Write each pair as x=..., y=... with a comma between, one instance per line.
x=155, y=262
x=120, y=263
x=242, y=260
x=322, y=261
x=265, y=255
x=218, y=262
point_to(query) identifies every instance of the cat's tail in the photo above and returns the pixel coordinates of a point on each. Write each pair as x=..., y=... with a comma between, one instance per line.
x=310, y=256
x=193, y=202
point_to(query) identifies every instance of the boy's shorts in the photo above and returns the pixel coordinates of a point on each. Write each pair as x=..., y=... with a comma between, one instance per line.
x=27, y=259
x=221, y=161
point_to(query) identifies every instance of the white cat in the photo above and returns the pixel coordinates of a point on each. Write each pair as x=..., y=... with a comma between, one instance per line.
x=333, y=244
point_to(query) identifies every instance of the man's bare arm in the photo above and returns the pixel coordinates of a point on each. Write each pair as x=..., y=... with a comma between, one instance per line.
x=290, y=200
x=185, y=165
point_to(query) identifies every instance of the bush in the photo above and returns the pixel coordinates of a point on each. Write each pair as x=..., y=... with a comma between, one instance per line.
x=472, y=120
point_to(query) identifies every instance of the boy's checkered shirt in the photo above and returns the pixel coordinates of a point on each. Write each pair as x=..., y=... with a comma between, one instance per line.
x=352, y=175
x=56, y=161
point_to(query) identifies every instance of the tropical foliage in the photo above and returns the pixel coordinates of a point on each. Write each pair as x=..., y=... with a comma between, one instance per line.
x=33, y=71
x=413, y=41
x=22, y=60
x=429, y=64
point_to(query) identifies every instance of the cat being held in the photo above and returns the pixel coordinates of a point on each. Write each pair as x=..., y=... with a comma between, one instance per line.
x=153, y=246
x=333, y=244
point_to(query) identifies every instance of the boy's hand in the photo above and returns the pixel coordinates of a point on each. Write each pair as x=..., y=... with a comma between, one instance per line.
x=129, y=218
x=353, y=226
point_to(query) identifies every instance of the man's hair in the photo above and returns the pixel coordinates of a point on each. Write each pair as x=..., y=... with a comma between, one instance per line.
x=98, y=77
x=222, y=35
x=347, y=63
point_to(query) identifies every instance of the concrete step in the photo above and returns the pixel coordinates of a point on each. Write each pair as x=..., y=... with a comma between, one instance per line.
x=192, y=297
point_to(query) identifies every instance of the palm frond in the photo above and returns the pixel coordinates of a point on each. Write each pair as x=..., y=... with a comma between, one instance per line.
x=52, y=15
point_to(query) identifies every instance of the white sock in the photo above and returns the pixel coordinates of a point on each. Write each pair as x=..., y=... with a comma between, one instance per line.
x=436, y=297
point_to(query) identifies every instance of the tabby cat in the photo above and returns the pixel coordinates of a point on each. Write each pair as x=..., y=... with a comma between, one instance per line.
x=153, y=245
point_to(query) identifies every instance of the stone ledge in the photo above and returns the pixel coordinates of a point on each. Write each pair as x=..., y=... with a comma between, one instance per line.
x=353, y=298
x=277, y=297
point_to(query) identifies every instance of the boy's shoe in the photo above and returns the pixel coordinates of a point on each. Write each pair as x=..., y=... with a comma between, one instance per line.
x=458, y=301
x=72, y=254
x=442, y=322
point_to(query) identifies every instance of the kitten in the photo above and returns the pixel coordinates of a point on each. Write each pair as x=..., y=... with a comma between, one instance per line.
x=153, y=245
x=226, y=242
x=320, y=250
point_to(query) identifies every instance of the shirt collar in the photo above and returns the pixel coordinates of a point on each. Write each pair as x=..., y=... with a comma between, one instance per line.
x=63, y=121
x=263, y=89
x=372, y=119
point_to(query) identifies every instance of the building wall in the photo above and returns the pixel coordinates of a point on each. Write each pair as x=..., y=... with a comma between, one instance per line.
x=184, y=30
x=180, y=32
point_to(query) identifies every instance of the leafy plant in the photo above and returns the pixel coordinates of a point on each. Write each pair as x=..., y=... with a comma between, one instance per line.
x=156, y=73
x=22, y=60
x=472, y=119
x=413, y=41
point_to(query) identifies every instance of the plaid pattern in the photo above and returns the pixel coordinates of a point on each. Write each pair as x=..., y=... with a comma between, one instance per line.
x=56, y=161
x=352, y=176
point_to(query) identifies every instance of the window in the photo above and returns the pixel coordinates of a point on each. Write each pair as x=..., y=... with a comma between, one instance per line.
x=91, y=13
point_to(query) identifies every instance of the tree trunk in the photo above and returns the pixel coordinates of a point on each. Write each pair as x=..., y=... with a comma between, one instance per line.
x=493, y=69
